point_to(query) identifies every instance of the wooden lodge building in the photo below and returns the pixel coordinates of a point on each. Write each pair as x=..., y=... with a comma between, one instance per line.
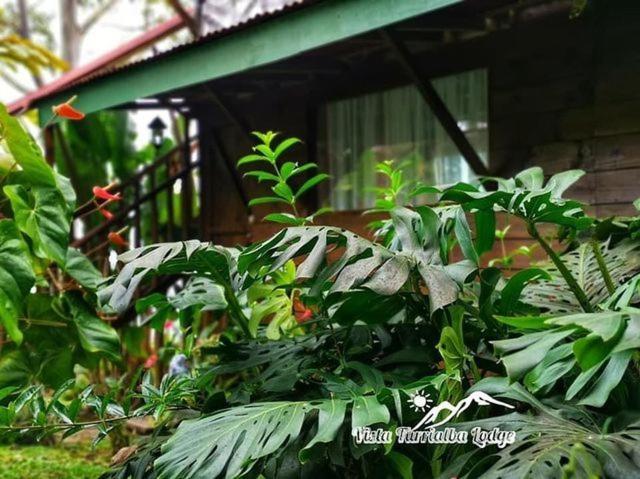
x=451, y=88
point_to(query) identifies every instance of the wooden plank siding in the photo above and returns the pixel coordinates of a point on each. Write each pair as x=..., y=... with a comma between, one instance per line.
x=570, y=100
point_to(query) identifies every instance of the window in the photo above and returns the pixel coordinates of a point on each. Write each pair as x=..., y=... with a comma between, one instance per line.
x=397, y=124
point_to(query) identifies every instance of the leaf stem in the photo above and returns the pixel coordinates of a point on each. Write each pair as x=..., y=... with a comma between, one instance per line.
x=234, y=306
x=577, y=291
x=602, y=265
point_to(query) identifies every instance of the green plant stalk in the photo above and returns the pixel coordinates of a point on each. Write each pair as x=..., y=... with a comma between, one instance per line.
x=602, y=265
x=577, y=291
x=474, y=370
x=292, y=203
x=236, y=310
x=234, y=306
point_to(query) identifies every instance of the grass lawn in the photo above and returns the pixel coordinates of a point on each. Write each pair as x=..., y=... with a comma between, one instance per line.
x=64, y=461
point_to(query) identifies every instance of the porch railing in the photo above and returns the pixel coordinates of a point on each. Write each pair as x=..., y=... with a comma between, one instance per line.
x=137, y=216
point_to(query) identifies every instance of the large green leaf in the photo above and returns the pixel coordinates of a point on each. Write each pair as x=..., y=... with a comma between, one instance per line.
x=41, y=213
x=80, y=268
x=95, y=335
x=14, y=368
x=622, y=260
x=526, y=196
x=551, y=447
x=281, y=364
x=25, y=151
x=230, y=442
x=556, y=442
x=16, y=277
x=593, y=362
x=361, y=264
x=270, y=300
x=202, y=292
x=367, y=410
x=195, y=257
x=330, y=419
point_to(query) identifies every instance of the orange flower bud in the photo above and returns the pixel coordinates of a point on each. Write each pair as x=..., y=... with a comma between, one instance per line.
x=106, y=213
x=103, y=194
x=65, y=110
x=117, y=239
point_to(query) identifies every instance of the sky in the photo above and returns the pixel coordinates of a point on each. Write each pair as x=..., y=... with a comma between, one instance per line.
x=123, y=22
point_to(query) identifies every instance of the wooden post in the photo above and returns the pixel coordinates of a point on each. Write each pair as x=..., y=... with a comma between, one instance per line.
x=206, y=206
x=217, y=143
x=433, y=99
x=312, y=201
x=49, y=145
x=155, y=237
x=187, y=208
x=137, y=235
x=169, y=192
x=228, y=111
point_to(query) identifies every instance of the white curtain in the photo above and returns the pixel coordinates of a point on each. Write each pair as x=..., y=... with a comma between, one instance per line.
x=397, y=124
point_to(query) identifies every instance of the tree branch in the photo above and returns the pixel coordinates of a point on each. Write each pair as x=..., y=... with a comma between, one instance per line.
x=14, y=83
x=186, y=17
x=96, y=15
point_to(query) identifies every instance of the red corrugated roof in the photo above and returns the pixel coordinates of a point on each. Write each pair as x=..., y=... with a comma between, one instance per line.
x=108, y=63
x=98, y=65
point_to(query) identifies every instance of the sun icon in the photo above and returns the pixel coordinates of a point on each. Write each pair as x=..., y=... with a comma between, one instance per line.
x=419, y=401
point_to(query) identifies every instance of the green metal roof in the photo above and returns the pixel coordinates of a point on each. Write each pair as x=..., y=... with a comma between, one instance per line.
x=265, y=42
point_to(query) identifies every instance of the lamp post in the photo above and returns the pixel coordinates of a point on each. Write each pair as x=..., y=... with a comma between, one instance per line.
x=157, y=127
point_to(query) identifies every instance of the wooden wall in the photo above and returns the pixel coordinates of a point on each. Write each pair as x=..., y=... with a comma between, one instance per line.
x=563, y=94
x=566, y=95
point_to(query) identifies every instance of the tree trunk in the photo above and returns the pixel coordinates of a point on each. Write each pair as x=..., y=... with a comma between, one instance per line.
x=25, y=32
x=24, y=20
x=70, y=33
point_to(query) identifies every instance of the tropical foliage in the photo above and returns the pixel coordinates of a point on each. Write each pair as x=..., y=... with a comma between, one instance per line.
x=319, y=330
x=47, y=304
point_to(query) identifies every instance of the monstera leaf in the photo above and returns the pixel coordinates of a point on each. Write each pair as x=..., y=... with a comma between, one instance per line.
x=16, y=277
x=202, y=292
x=548, y=447
x=360, y=263
x=271, y=300
x=551, y=443
x=201, y=259
x=592, y=350
x=281, y=363
x=230, y=442
x=528, y=197
x=622, y=262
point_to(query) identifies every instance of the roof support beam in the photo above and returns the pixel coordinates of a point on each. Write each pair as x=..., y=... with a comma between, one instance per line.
x=236, y=119
x=435, y=102
x=251, y=46
x=207, y=128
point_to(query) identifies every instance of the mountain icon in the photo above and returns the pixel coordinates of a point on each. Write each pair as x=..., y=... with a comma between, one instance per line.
x=478, y=397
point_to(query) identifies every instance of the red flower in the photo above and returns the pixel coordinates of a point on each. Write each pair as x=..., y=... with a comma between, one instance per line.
x=151, y=361
x=65, y=110
x=106, y=213
x=301, y=312
x=116, y=239
x=103, y=194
